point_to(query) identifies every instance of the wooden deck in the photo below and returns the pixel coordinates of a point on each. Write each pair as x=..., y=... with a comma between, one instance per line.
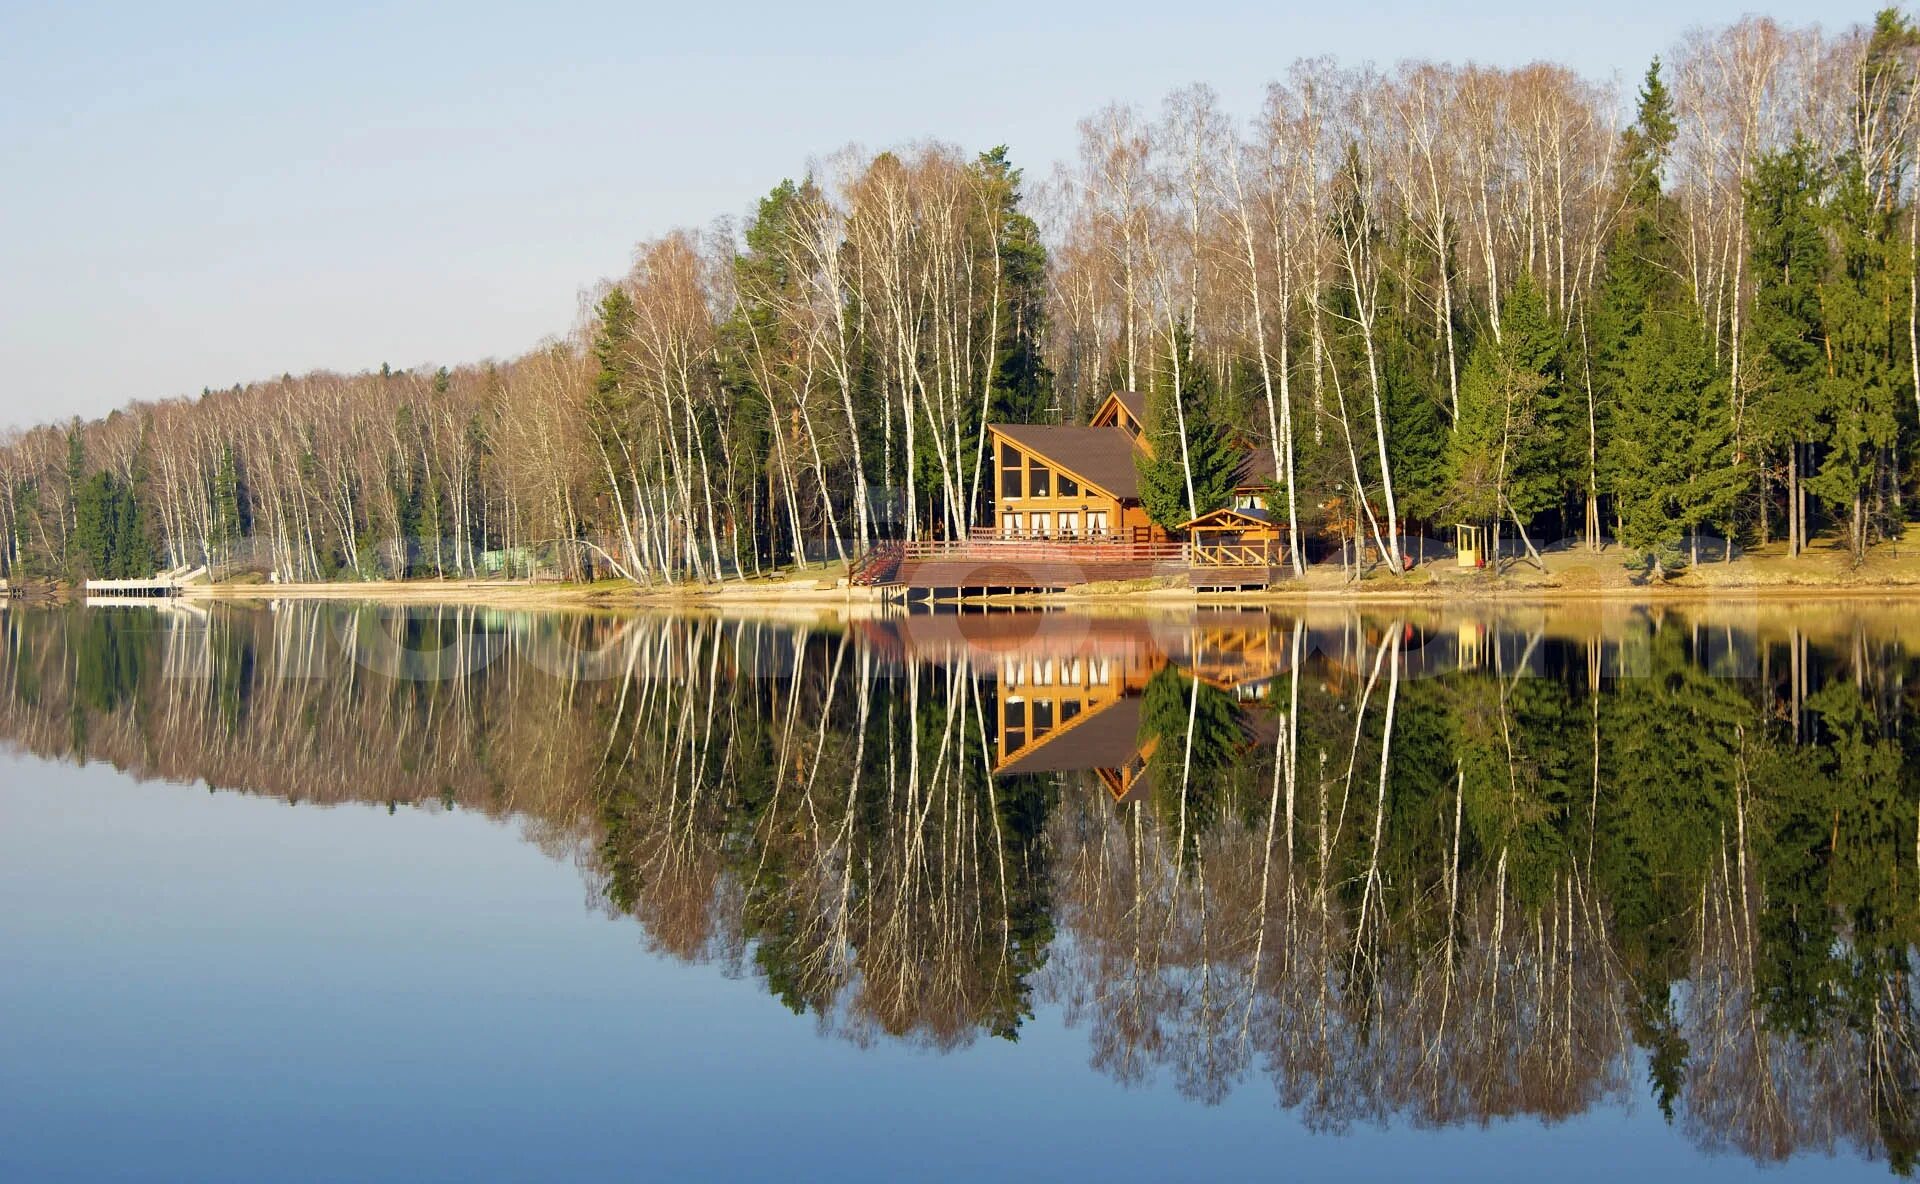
x=987, y=563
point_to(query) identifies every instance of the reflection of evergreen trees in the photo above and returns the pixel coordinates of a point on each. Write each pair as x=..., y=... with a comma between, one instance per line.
x=1202, y=740
x=1696, y=879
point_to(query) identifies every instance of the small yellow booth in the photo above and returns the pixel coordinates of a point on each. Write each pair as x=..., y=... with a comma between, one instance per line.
x=1470, y=545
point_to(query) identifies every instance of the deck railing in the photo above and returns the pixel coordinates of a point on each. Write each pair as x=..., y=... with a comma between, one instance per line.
x=1069, y=549
x=1233, y=555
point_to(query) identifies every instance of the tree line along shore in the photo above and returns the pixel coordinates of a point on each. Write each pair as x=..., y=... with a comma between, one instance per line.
x=1549, y=306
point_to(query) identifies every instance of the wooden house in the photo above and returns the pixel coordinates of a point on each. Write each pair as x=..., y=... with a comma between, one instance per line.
x=1055, y=481
x=1072, y=483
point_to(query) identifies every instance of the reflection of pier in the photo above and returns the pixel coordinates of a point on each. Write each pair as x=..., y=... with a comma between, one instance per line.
x=169, y=605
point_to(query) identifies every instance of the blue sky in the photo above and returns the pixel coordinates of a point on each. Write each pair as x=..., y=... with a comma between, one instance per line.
x=196, y=194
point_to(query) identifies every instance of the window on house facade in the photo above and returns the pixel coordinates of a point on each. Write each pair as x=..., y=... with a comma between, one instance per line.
x=1039, y=481
x=1068, y=487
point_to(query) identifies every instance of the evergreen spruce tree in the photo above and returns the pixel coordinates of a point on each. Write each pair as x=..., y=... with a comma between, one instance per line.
x=1859, y=398
x=1672, y=445
x=227, y=526
x=1022, y=383
x=1215, y=460
x=1509, y=454
x=110, y=536
x=1786, y=331
x=1643, y=265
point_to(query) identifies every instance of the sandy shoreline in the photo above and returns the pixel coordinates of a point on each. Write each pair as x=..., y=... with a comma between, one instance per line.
x=815, y=594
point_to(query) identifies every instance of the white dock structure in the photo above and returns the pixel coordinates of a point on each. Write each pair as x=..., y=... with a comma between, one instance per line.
x=165, y=585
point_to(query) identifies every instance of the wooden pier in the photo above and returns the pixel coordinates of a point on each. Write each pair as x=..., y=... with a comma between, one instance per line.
x=163, y=586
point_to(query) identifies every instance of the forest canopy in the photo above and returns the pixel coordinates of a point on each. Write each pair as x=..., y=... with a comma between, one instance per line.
x=1429, y=293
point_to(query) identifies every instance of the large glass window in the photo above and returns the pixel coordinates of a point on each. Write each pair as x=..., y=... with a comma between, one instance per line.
x=1068, y=486
x=1010, y=471
x=1039, y=481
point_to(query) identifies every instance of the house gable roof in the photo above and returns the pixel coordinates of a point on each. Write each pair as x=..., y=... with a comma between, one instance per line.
x=1257, y=471
x=1107, y=413
x=1100, y=457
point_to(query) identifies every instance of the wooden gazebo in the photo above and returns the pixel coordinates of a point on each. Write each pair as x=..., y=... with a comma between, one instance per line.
x=1230, y=537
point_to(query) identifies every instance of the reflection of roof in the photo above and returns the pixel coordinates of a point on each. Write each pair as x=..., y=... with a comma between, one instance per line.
x=1104, y=738
x=1103, y=456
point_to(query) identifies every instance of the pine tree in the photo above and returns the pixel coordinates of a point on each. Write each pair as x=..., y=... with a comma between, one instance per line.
x=1859, y=398
x=1508, y=457
x=1022, y=383
x=1672, y=447
x=110, y=534
x=227, y=524
x=1643, y=264
x=1786, y=331
x=1212, y=456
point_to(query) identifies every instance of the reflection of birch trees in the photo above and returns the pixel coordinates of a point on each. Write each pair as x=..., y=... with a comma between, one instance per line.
x=1525, y=887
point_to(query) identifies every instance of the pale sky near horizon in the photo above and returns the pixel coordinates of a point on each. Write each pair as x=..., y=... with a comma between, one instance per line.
x=197, y=194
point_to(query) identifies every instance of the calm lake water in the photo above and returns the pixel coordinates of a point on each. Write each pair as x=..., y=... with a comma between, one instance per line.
x=320, y=892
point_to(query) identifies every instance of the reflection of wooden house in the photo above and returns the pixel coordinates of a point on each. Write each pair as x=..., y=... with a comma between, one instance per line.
x=1239, y=660
x=1063, y=709
x=1042, y=697
x=1104, y=738
x=1068, y=696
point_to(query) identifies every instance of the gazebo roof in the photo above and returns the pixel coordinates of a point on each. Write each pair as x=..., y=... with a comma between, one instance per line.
x=1227, y=517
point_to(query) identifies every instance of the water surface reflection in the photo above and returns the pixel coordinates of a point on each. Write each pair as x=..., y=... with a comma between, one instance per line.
x=1408, y=866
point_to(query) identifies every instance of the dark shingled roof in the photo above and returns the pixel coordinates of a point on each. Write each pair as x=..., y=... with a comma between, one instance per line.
x=1106, y=739
x=1135, y=403
x=1104, y=456
x=1258, y=469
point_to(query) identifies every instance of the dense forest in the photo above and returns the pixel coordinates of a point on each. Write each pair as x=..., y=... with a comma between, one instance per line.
x=1435, y=293
x=1631, y=853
